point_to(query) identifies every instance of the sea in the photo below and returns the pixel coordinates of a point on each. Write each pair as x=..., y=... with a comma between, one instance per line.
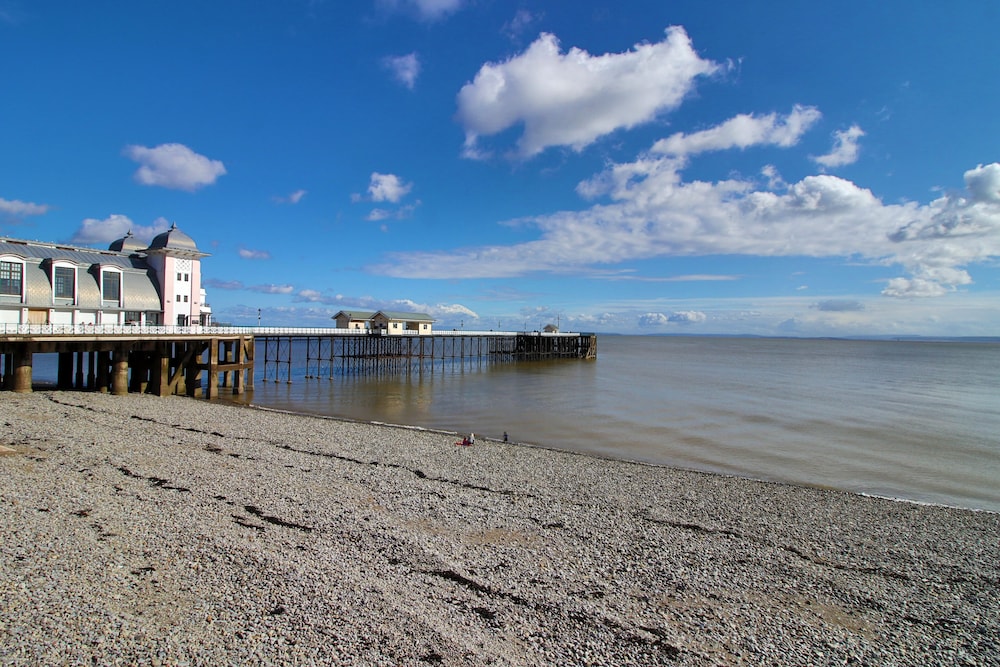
x=914, y=420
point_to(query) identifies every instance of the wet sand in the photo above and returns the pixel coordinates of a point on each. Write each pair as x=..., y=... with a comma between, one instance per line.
x=145, y=530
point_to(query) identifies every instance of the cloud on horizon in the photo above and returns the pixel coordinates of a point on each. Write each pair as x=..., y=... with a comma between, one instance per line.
x=645, y=209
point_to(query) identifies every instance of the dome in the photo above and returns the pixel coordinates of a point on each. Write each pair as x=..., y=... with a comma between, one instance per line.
x=173, y=239
x=127, y=243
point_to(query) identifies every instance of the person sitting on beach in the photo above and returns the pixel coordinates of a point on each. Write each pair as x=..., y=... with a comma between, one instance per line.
x=464, y=442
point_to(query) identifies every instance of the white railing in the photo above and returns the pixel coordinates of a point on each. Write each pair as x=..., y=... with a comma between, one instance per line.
x=199, y=330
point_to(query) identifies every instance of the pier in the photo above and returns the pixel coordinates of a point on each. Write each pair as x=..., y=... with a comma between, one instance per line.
x=204, y=361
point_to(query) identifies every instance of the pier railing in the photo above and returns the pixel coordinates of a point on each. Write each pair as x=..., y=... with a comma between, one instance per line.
x=199, y=330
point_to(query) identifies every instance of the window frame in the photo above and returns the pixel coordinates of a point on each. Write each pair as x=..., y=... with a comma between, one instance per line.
x=12, y=262
x=59, y=281
x=108, y=271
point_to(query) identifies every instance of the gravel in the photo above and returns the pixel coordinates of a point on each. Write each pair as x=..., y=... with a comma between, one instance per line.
x=140, y=530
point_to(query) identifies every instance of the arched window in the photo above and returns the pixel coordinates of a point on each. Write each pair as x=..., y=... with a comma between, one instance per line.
x=64, y=282
x=12, y=277
x=111, y=286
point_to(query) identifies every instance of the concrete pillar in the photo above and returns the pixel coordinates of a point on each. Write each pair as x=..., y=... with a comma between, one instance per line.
x=119, y=373
x=22, y=370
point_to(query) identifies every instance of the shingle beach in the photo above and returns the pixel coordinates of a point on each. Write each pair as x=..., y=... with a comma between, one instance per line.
x=140, y=530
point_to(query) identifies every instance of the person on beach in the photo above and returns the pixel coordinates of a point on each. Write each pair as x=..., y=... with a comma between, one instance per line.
x=464, y=442
x=472, y=438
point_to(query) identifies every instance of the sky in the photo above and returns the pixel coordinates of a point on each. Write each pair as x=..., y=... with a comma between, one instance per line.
x=647, y=167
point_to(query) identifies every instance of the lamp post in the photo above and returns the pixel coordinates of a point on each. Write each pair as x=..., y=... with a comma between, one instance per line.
x=258, y=318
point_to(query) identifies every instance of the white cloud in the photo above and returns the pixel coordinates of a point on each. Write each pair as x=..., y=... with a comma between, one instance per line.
x=521, y=23
x=215, y=283
x=293, y=198
x=845, y=148
x=102, y=232
x=247, y=253
x=680, y=317
x=743, y=131
x=174, y=166
x=574, y=98
x=405, y=69
x=427, y=10
x=388, y=187
x=17, y=209
x=648, y=210
x=272, y=289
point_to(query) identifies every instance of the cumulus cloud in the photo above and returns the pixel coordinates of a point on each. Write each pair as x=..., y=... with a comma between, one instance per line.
x=688, y=317
x=18, y=209
x=574, y=98
x=743, y=131
x=845, y=148
x=174, y=166
x=646, y=209
x=405, y=69
x=248, y=253
x=387, y=187
x=681, y=317
x=102, y=232
x=437, y=311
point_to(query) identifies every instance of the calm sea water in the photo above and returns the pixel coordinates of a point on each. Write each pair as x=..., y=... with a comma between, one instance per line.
x=912, y=420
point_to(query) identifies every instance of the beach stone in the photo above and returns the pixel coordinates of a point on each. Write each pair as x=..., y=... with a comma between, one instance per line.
x=141, y=530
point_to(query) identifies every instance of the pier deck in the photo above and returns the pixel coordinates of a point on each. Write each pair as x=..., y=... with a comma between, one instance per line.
x=202, y=361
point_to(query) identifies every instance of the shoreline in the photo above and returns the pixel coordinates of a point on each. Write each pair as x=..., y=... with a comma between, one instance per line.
x=163, y=530
x=608, y=457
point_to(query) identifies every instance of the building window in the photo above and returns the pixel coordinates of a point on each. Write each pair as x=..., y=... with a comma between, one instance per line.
x=178, y=299
x=133, y=317
x=178, y=277
x=111, y=286
x=187, y=276
x=64, y=282
x=185, y=298
x=11, y=277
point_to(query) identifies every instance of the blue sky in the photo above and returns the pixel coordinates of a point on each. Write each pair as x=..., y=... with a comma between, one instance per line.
x=774, y=168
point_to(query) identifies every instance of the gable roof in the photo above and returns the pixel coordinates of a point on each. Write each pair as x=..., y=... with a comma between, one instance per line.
x=354, y=315
x=404, y=315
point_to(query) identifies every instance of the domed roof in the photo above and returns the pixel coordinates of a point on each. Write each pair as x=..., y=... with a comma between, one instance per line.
x=127, y=243
x=173, y=239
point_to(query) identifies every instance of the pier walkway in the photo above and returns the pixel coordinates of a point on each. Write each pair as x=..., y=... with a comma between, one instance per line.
x=203, y=361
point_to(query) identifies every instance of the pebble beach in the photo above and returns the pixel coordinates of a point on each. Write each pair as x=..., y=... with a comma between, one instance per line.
x=144, y=530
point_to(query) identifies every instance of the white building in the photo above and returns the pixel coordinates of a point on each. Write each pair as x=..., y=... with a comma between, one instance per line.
x=389, y=322
x=50, y=283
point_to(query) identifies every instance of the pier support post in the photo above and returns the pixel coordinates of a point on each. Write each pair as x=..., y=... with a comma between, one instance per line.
x=103, y=367
x=22, y=370
x=64, y=377
x=119, y=373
